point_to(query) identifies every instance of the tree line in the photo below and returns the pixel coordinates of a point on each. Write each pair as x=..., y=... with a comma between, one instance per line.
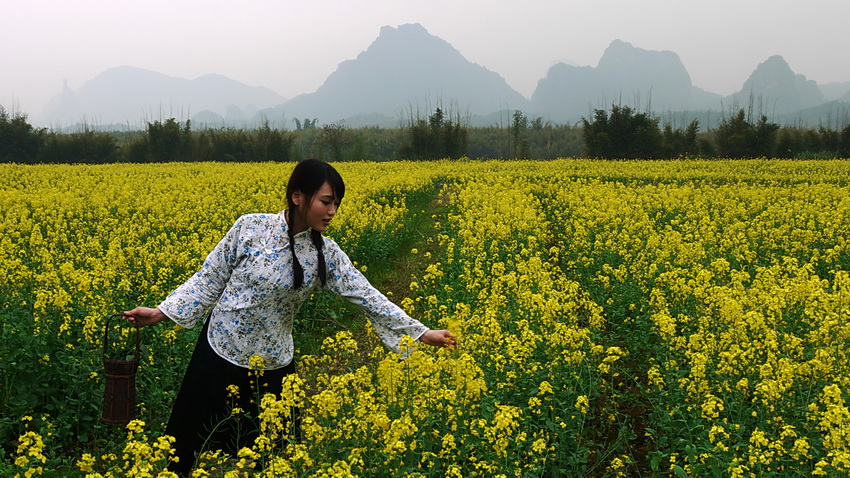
x=627, y=134
x=618, y=133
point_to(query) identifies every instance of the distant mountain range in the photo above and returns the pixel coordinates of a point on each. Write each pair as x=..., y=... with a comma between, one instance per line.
x=130, y=96
x=407, y=72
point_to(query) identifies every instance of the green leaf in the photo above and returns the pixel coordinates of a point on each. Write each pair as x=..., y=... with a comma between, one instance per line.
x=655, y=462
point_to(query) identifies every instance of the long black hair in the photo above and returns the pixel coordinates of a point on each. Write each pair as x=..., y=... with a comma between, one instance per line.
x=307, y=178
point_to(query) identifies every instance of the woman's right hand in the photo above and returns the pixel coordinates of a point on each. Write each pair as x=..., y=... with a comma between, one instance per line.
x=144, y=316
x=439, y=338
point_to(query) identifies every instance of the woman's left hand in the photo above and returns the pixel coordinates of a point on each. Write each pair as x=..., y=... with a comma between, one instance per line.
x=439, y=338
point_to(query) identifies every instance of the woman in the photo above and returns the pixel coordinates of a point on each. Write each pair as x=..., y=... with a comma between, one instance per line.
x=250, y=287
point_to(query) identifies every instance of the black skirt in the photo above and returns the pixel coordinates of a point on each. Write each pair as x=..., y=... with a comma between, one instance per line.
x=202, y=418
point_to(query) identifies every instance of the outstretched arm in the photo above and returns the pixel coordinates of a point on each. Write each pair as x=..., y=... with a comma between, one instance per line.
x=390, y=321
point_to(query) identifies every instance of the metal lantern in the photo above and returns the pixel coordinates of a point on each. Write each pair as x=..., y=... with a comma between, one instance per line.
x=119, y=394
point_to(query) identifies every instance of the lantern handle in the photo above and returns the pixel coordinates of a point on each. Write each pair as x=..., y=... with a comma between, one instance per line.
x=106, y=335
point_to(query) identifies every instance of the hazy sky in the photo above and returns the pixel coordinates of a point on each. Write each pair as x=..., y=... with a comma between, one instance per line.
x=292, y=46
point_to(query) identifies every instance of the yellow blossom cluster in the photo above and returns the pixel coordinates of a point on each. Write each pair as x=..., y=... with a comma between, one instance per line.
x=30, y=454
x=141, y=457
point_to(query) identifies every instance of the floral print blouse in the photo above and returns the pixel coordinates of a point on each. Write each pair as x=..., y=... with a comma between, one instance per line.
x=247, y=280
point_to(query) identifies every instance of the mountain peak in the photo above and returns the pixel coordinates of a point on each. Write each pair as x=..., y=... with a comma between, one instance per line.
x=778, y=89
x=618, y=47
x=625, y=73
x=407, y=28
x=773, y=65
x=627, y=58
x=406, y=66
x=408, y=43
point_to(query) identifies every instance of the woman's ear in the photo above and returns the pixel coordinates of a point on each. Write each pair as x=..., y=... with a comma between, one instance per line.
x=297, y=197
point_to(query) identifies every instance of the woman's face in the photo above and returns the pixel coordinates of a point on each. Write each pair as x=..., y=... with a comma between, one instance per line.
x=315, y=213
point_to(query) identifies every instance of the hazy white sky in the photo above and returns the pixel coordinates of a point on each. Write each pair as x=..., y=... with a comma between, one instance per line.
x=292, y=46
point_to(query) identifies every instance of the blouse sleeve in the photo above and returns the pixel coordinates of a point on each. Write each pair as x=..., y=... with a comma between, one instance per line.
x=389, y=320
x=190, y=302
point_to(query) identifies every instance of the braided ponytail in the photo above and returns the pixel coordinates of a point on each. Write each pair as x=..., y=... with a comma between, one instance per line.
x=297, y=270
x=319, y=242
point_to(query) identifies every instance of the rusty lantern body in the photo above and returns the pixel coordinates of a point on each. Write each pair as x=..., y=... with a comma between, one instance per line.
x=119, y=393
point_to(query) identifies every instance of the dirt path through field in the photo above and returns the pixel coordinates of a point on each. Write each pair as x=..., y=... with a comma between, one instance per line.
x=406, y=266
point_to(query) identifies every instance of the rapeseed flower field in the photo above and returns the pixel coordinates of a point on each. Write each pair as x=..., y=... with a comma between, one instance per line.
x=616, y=318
